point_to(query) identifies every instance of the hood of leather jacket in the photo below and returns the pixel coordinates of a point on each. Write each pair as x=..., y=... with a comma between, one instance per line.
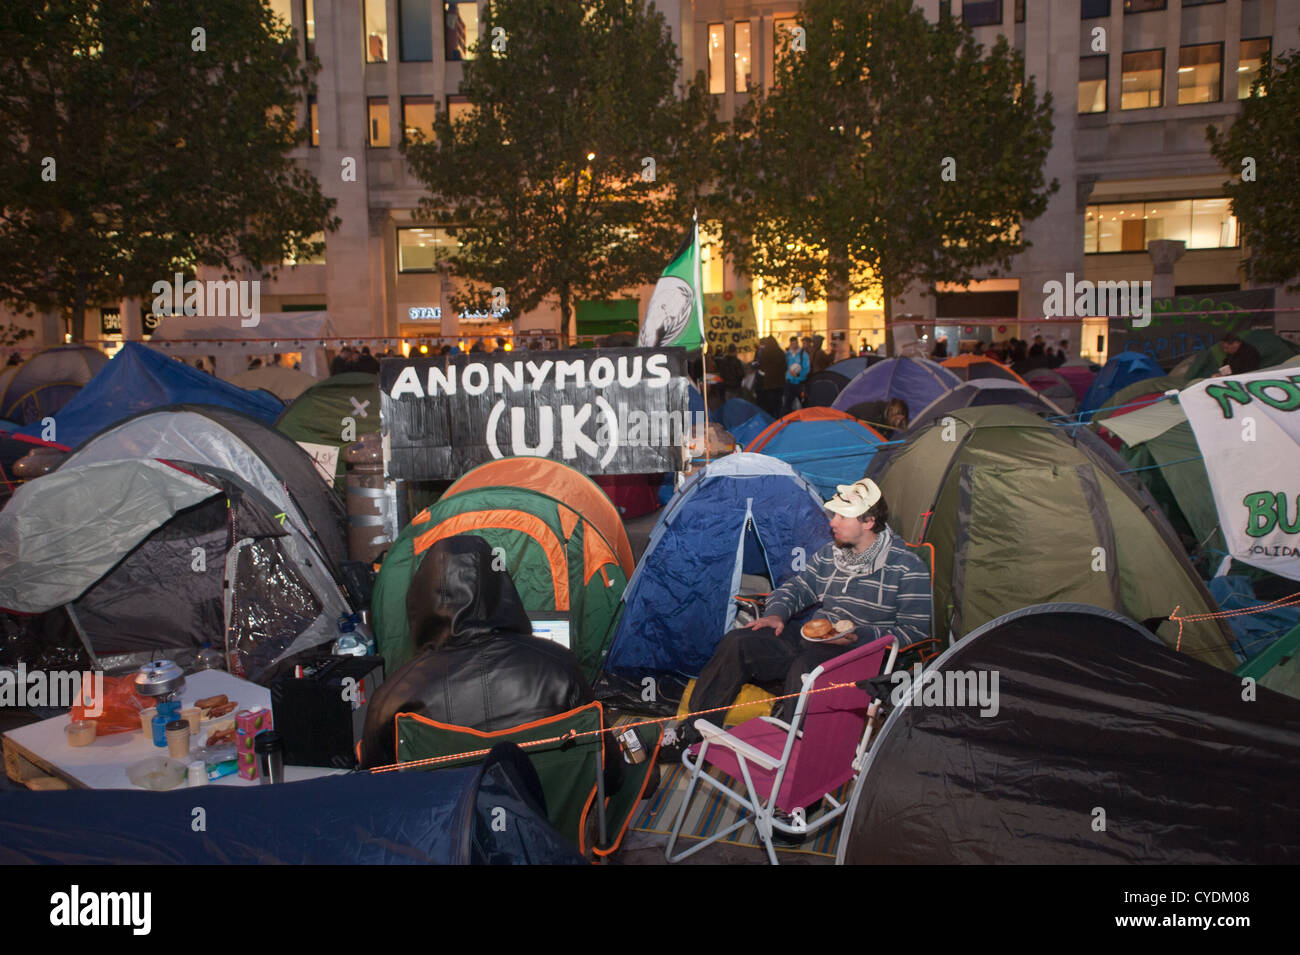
x=456, y=599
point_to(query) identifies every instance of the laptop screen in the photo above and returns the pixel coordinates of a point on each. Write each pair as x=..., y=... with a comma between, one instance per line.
x=555, y=630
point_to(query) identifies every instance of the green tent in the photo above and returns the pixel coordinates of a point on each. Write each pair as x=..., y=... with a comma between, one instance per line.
x=320, y=414
x=563, y=566
x=1021, y=513
x=1130, y=393
x=1273, y=350
x=1278, y=667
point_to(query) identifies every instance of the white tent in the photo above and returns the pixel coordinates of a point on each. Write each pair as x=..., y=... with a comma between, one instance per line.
x=233, y=345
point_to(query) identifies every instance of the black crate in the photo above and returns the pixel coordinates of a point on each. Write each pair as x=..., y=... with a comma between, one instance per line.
x=322, y=713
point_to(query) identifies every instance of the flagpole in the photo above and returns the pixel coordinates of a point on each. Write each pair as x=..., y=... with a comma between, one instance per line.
x=704, y=338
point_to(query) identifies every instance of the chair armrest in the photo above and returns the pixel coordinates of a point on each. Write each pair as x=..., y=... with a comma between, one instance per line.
x=781, y=723
x=720, y=737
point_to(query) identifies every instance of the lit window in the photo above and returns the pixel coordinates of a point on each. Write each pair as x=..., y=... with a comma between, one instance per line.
x=1142, y=6
x=461, y=30
x=1251, y=59
x=1131, y=226
x=319, y=259
x=1144, y=80
x=744, y=69
x=424, y=249
x=1200, y=73
x=417, y=117
x=415, y=23
x=1092, y=83
x=377, y=120
x=313, y=120
x=783, y=33
x=717, y=58
x=376, y=28
x=459, y=107
x=284, y=10
x=309, y=18
x=1213, y=225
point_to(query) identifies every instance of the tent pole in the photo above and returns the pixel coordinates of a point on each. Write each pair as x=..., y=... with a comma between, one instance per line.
x=85, y=640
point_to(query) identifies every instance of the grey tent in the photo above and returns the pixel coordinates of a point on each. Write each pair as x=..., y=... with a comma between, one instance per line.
x=150, y=557
x=1095, y=744
x=989, y=391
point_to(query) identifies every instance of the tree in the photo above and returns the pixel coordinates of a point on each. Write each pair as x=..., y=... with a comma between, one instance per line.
x=890, y=151
x=1263, y=149
x=139, y=138
x=575, y=173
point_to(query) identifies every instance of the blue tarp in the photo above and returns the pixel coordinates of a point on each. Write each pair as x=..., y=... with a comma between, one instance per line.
x=678, y=603
x=139, y=378
x=1120, y=372
x=1255, y=632
x=443, y=817
x=917, y=381
x=826, y=453
x=744, y=420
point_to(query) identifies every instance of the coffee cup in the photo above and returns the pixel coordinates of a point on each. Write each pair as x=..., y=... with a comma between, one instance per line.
x=146, y=720
x=178, y=739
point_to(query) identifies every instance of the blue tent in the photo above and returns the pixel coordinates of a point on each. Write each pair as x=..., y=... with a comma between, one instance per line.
x=1121, y=371
x=827, y=448
x=444, y=817
x=744, y=420
x=743, y=513
x=917, y=381
x=138, y=379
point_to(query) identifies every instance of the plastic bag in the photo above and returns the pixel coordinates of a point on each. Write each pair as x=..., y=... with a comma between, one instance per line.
x=116, y=709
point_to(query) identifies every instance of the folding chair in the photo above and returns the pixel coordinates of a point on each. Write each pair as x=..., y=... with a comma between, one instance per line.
x=787, y=767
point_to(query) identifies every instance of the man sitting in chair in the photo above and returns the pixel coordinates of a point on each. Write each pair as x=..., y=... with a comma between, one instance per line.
x=866, y=581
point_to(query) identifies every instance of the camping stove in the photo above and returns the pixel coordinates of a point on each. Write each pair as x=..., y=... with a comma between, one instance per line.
x=160, y=679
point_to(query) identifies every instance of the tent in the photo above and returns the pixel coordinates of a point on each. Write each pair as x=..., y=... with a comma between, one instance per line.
x=561, y=540
x=1123, y=369
x=917, y=381
x=1102, y=747
x=975, y=367
x=138, y=379
x=447, y=817
x=633, y=495
x=232, y=344
x=850, y=368
x=1021, y=512
x=1273, y=350
x=740, y=514
x=148, y=556
x=283, y=382
x=1140, y=393
x=827, y=447
x=744, y=420
x=822, y=388
x=319, y=415
x=1053, y=386
x=47, y=381
x=988, y=391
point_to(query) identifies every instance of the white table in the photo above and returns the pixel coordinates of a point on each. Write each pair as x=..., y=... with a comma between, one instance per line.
x=103, y=764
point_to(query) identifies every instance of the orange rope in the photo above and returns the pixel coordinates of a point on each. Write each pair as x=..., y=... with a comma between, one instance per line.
x=574, y=734
x=1290, y=601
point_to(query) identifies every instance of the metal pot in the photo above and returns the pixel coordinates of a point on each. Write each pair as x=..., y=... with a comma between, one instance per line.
x=159, y=678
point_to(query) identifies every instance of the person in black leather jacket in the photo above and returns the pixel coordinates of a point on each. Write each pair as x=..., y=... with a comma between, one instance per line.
x=477, y=663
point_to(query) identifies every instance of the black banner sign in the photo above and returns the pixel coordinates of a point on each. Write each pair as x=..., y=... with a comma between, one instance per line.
x=602, y=411
x=1190, y=323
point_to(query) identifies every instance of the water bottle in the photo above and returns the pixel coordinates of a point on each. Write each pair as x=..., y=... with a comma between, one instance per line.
x=209, y=659
x=349, y=643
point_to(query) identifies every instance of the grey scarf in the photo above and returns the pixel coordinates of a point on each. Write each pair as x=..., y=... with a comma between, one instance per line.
x=850, y=562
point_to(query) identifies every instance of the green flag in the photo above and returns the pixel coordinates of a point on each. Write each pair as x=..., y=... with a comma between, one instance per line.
x=675, y=315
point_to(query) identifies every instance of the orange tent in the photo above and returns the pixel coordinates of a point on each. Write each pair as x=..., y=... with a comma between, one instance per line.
x=968, y=366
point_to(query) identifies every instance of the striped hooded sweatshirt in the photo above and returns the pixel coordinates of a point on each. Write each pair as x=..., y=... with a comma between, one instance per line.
x=889, y=594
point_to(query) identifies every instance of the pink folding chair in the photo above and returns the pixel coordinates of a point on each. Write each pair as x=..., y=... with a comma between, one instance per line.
x=787, y=767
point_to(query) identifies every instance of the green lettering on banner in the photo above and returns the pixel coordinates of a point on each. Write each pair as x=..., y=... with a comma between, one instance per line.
x=1260, y=390
x=1261, y=504
x=1289, y=526
x=1228, y=392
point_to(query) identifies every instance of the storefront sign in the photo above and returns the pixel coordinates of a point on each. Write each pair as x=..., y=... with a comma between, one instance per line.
x=424, y=313
x=608, y=411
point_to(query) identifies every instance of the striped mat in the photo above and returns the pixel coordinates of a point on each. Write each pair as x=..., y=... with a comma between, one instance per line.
x=712, y=812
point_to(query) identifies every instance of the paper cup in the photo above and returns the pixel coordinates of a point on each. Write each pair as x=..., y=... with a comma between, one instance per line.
x=146, y=720
x=192, y=715
x=178, y=739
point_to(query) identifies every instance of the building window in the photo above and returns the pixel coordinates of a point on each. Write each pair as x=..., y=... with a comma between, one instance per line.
x=377, y=120
x=417, y=117
x=313, y=121
x=1130, y=226
x=1092, y=9
x=1142, y=6
x=461, y=30
x=1200, y=73
x=1144, y=80
x=783, y=33
x=1199, y=3
x=415, y=23
x=375, y=13
x=982, y=13
x=459, y=107
x=1092, y=83
x=1020, y=11
x=424, y=249
x=1251, y=59
x=284, y=10
x=744, y=60
x=307, y=259
x=717, y=58
x=309, y=18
